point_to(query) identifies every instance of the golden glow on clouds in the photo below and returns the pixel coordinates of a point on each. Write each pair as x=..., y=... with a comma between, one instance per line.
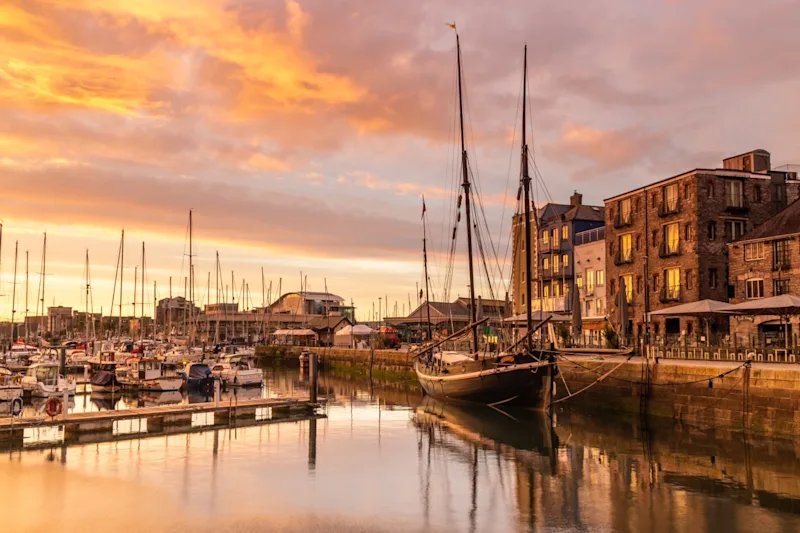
x=48, y=61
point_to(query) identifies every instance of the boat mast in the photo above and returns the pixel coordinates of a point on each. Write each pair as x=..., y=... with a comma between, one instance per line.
x=466, y=184
x=121, y=269
x=425, y=262
x=42, y=278
x=216, y=331
x=141, y=319
x=86, y=301
x=135, y=281
x=26, y=295
x=14, y=295
x=191, y=284
x=526, y=187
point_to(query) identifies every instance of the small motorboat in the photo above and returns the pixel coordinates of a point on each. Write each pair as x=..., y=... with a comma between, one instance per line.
x=148, y=375
x=237, y=372
x=198, y=376
x=44, y=380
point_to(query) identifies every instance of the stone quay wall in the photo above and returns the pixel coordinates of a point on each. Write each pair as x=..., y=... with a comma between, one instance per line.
x=762, y=398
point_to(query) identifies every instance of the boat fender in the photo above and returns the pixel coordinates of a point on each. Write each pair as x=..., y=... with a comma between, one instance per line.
x=16, y=406
x=53, y=407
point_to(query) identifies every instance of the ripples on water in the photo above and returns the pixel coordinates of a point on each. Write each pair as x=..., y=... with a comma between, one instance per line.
x=389, y=461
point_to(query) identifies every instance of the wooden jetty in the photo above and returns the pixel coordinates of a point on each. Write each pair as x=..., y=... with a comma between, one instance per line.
x=101, y=426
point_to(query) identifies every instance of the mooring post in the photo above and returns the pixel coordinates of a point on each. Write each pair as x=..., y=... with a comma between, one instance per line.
x=216, y=393
x=312, y=375
x=62, y=363
x=66, y=401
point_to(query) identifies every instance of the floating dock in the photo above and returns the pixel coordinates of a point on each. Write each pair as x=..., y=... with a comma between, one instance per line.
x=101, y=426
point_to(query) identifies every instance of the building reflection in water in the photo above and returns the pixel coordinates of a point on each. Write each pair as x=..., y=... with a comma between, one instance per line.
x=387, y=459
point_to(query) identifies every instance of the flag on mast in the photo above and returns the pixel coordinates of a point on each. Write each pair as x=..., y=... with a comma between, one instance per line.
x=451, y=24
x=423, y=206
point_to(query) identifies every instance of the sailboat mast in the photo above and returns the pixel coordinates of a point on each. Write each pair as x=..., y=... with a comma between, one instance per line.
x=121, y=270
x=14, y=295
x=191, y=284
x=466, y=184
x=526, y=188
x=425, y=262
x=44, y=270
x=26, y=295
x=216, y=330
x=86, y=301
x=141, y=319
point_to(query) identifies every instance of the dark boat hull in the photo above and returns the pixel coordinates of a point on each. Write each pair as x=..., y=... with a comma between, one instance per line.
x=525, y=384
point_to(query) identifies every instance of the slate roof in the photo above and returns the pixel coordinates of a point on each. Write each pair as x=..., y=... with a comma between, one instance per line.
x=786, y=222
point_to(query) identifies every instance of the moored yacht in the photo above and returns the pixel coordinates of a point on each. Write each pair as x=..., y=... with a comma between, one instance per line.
x=148, y=374
x=44, y=379
x=237, y=371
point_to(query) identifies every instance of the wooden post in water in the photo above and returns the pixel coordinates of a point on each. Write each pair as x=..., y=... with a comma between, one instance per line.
x=312, y=377
x=312, y=444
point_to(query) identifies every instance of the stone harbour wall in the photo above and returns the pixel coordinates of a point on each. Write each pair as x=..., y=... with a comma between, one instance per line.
x=762, y=398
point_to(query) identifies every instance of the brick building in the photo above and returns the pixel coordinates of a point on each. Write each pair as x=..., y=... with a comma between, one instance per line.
x=669, y=239
x=553, y=272
x=766, y=262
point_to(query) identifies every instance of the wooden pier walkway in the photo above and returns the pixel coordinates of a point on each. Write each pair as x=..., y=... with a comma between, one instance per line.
x=100, y=426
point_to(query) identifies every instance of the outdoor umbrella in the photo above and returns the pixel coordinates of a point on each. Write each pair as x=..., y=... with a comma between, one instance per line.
x=577, y=323
x=704, y=309
x=622, y=309
x=783, y=305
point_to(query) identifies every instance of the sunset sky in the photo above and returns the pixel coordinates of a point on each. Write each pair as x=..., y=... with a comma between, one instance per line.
x=303, y=132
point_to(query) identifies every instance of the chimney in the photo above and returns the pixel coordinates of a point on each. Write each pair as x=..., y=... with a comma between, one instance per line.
x=576, y=199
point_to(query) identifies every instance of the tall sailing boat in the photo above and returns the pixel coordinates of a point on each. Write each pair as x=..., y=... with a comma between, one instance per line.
x=514, y=377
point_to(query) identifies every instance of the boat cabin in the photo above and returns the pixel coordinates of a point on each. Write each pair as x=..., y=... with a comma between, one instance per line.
x=46, y=374
x=143, y=369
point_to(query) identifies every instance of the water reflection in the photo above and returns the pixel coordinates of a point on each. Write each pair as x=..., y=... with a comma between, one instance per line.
x=387, y=459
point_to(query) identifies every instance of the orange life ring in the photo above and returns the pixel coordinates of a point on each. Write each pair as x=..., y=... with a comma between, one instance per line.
x=53, y=407
x=17, y=379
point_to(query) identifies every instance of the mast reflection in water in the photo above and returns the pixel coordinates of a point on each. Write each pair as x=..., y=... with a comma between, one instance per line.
x=387, y=460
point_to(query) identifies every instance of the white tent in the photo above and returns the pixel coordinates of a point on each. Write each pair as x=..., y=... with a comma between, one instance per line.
x=353, y=336
x=357, y=330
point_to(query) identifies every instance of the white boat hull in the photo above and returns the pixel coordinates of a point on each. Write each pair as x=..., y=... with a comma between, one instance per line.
x=10, y=392
x=242, y=378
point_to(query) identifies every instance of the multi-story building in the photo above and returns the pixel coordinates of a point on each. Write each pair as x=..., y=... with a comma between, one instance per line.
x=552, y=275
x=59, y=320
x=766, y=262
x=311, y=303
x=667, y=240
x=590, y=279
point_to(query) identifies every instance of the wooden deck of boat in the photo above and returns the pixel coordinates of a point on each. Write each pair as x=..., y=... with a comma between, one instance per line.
x=239, y=408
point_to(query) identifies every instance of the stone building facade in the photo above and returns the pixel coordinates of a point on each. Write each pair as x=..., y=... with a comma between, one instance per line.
x=766, y=263
x=553, y=272
x=668, y=240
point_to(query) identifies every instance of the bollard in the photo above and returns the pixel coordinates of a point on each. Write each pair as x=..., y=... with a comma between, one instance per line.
x=216, y=393
x=66, y=402
x=312, y=377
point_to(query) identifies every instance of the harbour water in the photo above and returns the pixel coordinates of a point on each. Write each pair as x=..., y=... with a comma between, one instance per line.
x=385, y=459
